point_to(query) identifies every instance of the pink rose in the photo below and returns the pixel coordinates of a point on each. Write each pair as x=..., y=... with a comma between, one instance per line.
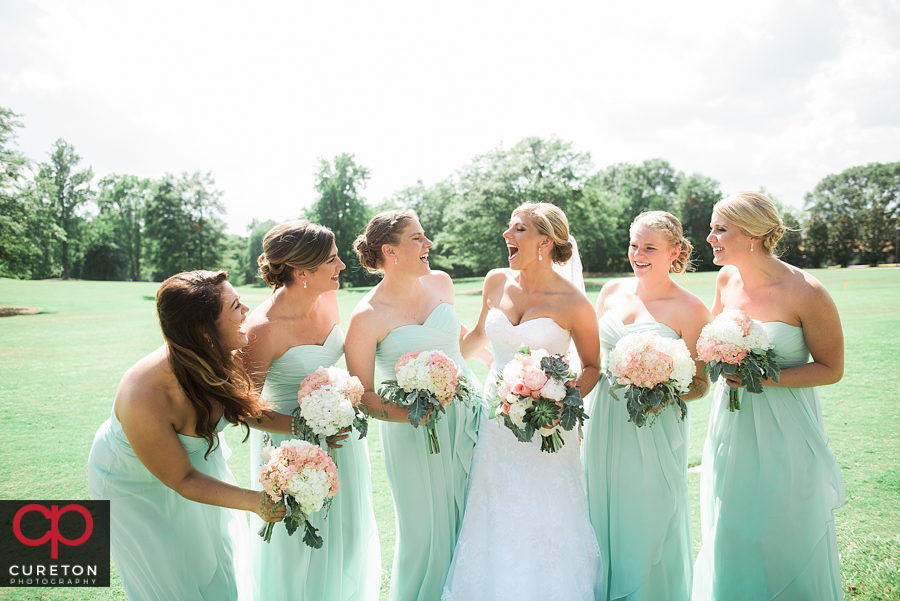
x=535, y=378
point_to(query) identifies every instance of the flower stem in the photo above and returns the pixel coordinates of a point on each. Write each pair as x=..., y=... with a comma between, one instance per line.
x=734, y=401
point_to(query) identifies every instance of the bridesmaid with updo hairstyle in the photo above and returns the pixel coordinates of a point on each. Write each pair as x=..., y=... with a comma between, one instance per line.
x=637, y=477
x=412, y=309
x=769, y=485
x=291, y=334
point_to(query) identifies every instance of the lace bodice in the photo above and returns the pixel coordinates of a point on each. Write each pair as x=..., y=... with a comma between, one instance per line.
x=506, y=338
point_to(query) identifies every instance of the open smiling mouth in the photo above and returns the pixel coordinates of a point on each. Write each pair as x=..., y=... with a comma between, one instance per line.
x=424, y=258
x=513, y=251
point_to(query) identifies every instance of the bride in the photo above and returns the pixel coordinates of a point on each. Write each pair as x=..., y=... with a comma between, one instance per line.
x=526, y=532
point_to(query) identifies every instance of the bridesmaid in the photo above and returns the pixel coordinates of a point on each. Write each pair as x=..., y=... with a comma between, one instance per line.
x=292, y=333
x=637, y=477
x=769, y=485
x=160, y=458
x=412, y=309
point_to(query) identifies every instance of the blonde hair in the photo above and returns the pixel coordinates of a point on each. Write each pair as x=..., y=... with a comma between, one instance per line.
x=756, y=215
x=549, y=220
x=667, y=225
x=383, y=228
x=293, y=245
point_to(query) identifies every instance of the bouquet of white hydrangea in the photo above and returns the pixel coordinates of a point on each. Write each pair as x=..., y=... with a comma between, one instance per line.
x=328, y=403
x=301, y=477
x=427, y=382
x=736, y=343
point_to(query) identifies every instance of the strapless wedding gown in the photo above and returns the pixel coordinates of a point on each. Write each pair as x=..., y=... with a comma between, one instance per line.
x=526, y=532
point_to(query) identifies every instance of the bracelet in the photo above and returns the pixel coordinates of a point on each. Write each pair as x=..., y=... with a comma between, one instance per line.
x=294, y=430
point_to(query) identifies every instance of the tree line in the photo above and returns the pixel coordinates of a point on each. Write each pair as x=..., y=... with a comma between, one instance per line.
x=56, y=221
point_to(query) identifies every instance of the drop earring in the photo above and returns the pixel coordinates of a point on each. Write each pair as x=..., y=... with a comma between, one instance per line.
x=304, y=284
x=395, y=260
x=540, y=256
x=751, y=247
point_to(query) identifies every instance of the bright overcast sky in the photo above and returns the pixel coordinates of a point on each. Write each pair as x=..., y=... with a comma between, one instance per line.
x=774, y=93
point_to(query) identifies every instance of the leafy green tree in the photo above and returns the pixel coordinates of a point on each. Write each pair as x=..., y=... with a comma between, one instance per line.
x=843, y=239
x=856, y=189
x=876, y=233
x=184, y=229
x=342, y=208
x=122, y=201
x=816, y=240
x=595, y=219
x=18, y=215
x=66, y=191
x=494, y=184
x=790, y=247
x=694, y=200
x=104, y=257
x=257, y=231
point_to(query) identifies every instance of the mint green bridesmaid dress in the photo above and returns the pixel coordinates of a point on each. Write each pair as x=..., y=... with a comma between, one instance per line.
x=769, y=486
x=429, y=491
x=637, y=488
x=165, y=546
x=348, y=566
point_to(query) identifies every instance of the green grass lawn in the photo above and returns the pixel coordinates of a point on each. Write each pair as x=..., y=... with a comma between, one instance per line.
x=59, y=370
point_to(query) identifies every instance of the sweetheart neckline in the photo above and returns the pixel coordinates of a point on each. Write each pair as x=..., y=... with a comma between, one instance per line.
x=521, y=323
x=336, y=326
x=419, y=325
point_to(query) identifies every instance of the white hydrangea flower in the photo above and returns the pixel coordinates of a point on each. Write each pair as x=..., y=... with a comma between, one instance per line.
x=684, y=367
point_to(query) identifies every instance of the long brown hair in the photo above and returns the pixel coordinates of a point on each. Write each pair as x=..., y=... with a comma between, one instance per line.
x=188, y=305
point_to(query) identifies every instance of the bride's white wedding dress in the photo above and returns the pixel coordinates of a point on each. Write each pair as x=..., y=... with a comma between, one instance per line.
x=526, y=533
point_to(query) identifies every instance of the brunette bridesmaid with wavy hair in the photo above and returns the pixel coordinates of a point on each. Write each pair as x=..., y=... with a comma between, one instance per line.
x=160, y=458
x=412, y=309
x=769, y=485
x=292, y=333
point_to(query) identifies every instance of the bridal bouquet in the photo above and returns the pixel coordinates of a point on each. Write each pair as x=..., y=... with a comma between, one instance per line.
x=654, y=371
x=301, y=477
x=537, y=393
x=427, y=382
x=328, y=399
x=736, y=343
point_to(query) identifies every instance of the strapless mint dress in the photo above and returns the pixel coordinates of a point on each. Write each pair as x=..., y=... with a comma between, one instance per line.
x=637, y=488
x=429, y=491
x=769, y=486
x=348, y=566
x=165, y=546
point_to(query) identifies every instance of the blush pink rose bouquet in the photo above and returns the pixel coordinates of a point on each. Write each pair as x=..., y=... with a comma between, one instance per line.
x=654, y=371
x=427, y=382
x=301, y=477
x=732, y=343
x=536, y=392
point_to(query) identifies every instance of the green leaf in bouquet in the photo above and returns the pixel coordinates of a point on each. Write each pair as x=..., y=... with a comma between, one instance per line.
x=520, y=434
x=729, y=368
x=304, y=432
x=542, y=414
x=570, y=416
x=573, y=397
x=361, y=424
x=654, y=398
x=311, y=536
x=524, y=350
x=418, y=405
